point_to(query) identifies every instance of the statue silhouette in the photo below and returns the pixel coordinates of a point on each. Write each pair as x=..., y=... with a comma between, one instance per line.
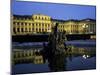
x=54, y=52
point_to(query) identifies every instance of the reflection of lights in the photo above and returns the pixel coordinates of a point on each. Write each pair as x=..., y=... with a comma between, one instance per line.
x=34, y=32
x=91, y=32
x=86, y=56
x=70, y=33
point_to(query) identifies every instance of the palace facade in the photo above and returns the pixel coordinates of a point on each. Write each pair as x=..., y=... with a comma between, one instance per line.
x=38, y=23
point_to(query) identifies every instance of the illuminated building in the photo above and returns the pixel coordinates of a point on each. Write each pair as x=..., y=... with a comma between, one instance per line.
x=87, y=26
x=71, y=27
x=23, y=25
x=38, y=23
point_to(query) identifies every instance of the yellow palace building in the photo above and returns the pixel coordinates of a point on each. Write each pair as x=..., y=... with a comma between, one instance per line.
x=22, y=25
x=39, y=23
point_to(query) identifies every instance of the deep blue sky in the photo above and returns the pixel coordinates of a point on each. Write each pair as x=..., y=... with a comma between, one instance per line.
x=56, y=11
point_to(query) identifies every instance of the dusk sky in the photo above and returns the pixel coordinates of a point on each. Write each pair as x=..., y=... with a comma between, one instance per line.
x=56, y=11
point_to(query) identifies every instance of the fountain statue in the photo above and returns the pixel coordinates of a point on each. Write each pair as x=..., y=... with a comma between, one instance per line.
x=57, y=40
x=54, y=51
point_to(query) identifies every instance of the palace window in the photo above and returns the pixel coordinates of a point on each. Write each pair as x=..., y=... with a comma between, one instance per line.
x=22, y=30
x=42, y=18
x=45, y=18
x=45, y=25
x=29, y=29
x=36, y=24
x=32, y=29
x=35, y=17
x=25, y=29
x=22, y=23
x=17, y=23
x=18, y=30
x=42, y=30
x=33, y=24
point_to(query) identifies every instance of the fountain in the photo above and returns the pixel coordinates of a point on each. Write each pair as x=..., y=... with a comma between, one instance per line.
x=54, y=51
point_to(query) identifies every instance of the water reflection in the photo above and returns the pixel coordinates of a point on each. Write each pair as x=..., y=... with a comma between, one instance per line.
x=75, y=58
x=57, y=63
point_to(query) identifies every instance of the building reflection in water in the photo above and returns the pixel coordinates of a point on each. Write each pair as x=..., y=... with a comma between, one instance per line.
x=55, y=63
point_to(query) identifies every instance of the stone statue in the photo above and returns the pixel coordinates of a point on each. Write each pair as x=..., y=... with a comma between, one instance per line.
x=57, y=40
x=54, y=52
